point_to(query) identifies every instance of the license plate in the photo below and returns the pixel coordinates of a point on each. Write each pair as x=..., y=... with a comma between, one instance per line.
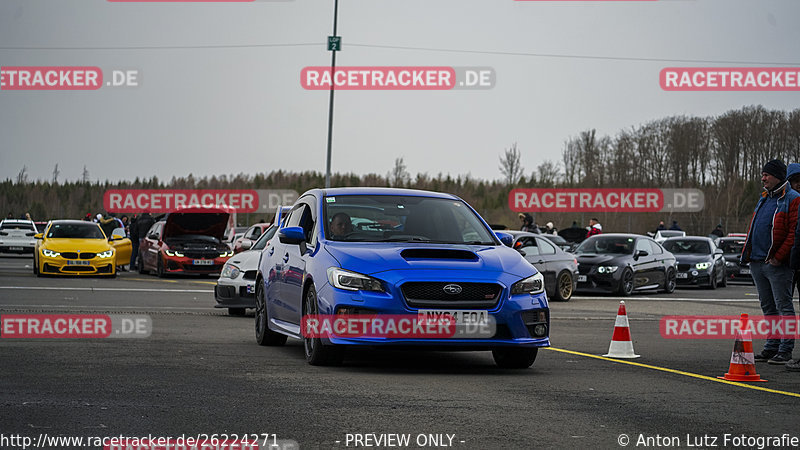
x=682, y=275
x=77, y=263
x=461, y=317
x=15, y=249
x=203, y=262
x=581, y=278
x=744, y=271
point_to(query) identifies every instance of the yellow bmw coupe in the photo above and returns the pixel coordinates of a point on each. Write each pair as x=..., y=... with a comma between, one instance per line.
x=75, y=247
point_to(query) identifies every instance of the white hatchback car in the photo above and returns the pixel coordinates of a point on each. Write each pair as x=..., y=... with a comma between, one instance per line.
x=17, y=236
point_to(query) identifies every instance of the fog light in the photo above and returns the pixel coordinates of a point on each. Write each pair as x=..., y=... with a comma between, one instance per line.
x=540, y=330
x=694, y=273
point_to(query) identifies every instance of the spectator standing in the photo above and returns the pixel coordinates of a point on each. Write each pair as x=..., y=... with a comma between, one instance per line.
x=675, y=226
x=594, y=227
x=661, y=226
x=793, y=176
x=527, y=222
x=767, y=248
x=549, y=228
x=718, y=230
x=133, y=232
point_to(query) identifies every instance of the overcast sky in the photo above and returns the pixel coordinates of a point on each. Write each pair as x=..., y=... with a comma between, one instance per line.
x=220, y=85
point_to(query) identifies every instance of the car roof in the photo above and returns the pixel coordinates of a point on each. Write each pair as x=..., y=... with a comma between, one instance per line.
x=72, y=221
x=16, y=221
x=688, y=238
x=380, y=191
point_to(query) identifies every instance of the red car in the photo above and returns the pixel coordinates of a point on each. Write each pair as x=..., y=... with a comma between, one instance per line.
x=250, y=237
x=188, y=241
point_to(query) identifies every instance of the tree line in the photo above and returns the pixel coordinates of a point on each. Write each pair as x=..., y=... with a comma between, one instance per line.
x=721, y=155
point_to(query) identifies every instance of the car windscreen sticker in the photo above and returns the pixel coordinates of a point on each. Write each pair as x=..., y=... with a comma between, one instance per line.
x=330, y=199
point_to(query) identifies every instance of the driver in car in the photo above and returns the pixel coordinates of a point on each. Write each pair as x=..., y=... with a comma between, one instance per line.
x=340, y=225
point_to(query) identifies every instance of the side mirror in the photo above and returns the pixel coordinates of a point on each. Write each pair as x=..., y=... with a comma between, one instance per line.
x=640, y=253
x=246, y=244
x=152, y=236
x=718, y=251
x=521, y=252
x=116, y=237
x=505, y=238
x=291, y=235
x=38, y=235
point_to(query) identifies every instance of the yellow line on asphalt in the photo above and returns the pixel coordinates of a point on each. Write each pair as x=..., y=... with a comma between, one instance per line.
x=678, y=372
x=203, y=282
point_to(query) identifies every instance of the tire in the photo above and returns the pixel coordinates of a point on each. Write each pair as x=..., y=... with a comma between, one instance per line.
x=36, y=267
x=564, y=287
x=316, y=353
x=669, y=282
x=265, y=336
x=724, y=281
x=238, y=312
x=626, y=283
x=514, y=358
x=160, y=268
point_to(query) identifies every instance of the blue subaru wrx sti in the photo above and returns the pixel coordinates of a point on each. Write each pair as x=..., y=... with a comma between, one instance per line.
x=382, y=254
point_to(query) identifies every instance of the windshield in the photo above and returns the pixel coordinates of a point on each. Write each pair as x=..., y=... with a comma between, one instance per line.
x=731, y=246
x=265, y=237
x=390, y=218
x=86, y=230
x=606, y=245
x=687, y=246
x=672, y=233
x=27, y=226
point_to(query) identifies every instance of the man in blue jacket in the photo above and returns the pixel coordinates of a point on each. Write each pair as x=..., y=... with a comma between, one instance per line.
x=770, y=238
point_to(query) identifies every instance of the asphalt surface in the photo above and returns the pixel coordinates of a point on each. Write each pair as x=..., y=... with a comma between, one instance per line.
x=201, y=372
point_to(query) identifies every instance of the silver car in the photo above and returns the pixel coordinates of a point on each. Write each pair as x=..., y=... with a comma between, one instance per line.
x=235, y=287
x=17, y=236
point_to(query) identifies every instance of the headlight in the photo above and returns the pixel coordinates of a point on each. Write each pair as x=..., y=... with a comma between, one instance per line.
x=173, y=253
x=226, y=254
x=106, y=254
x=702, y=266
x=230, y=271
x=731, y=264
x=49, y=253
x=607, y=269
x=530, y=285
x=352, y=281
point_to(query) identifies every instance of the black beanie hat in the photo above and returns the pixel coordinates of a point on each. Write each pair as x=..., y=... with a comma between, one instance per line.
x=776, y=168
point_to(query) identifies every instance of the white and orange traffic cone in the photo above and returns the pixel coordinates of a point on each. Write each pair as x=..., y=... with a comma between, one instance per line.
x=621, y=345
x=743, y=362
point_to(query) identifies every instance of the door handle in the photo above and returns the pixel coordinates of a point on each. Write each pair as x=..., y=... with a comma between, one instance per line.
x=286, y=257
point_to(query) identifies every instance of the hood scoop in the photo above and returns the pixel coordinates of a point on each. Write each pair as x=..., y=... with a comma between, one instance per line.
x=438, y=253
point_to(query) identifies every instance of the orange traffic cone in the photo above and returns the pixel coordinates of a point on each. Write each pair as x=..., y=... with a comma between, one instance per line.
x=743, y=362
x=621, y=345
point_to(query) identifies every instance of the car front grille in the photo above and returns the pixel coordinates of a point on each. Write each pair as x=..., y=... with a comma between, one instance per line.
x=433, y=295
x=684, y=267
x=584, y=269
x=69, y=255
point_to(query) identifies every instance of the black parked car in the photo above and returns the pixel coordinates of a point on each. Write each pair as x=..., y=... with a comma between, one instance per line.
x=623, y=263
x=700, y=262
x=560, y=269
x=732, y=250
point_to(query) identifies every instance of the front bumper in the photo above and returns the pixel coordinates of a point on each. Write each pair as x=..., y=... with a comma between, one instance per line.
x=176, y=264
x=515, y=318
x=61, y=266
x=236, y=293
x=693, y=278
x=598, y=283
